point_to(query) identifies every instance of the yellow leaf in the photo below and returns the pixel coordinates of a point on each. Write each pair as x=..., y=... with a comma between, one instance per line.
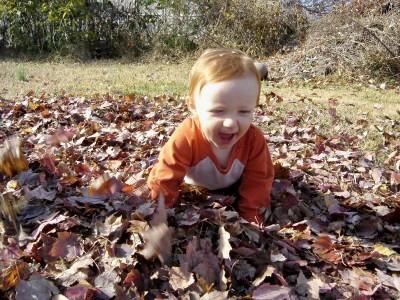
x=385, y=251
x=10, y=276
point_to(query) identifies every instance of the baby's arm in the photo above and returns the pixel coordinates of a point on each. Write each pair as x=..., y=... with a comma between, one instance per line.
x=173, y=162
x=256, y=182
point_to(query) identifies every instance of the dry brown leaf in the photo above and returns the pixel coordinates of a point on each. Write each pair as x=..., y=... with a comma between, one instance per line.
x=105, y=185
x=10, y=276
x=180, y=279
x=266, y=273
x=78, y=271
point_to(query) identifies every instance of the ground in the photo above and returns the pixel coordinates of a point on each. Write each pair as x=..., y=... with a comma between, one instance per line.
x=84, y=229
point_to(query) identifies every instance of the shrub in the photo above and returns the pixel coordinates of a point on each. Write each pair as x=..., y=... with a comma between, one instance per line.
x=361, y=37
x=258, y=27
x=99, y=28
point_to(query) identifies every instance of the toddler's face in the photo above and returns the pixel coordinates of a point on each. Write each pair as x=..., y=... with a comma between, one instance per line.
x=225, y=109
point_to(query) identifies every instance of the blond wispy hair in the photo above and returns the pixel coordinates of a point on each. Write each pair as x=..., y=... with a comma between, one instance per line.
x=215, y=65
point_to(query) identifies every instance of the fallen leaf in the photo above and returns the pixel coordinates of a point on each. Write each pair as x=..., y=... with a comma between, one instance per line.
x=62, y=135
x=66, y=246
x=112, y=227
x=106, y=282
x=385, y=251
x=266, y=273
x=267, y=291
x=215, y=295
x=390, y=281
x=78, y=271
x=105, y=185
x=35, y=288
x=11, y=275
x=200, y=259
x=224, y=246
x=180, y=279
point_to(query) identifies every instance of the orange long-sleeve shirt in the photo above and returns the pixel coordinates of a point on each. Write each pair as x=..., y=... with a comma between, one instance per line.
x=188, y=156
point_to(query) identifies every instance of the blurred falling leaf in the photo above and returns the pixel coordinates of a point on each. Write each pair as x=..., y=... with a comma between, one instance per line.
x=11, y=205
x=271, y=96
x=158, y=237
x=12, y=159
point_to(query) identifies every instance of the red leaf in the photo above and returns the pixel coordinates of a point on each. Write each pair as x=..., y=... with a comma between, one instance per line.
x=105, y=186
x=80, y=292
x=61, y=136
x=66, y=246
x=272, y=292
x=200, y=259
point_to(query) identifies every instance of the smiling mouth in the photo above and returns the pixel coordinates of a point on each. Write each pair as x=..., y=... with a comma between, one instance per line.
x=226, y=138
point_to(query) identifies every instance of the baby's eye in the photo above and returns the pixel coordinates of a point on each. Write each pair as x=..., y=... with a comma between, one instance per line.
x=245, y=111
x=216, y=111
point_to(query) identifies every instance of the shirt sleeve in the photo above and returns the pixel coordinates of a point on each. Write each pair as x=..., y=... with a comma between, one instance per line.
x=256, y=182
x=173, y=162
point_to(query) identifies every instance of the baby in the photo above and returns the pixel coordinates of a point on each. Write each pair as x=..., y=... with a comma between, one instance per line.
x=219, y=146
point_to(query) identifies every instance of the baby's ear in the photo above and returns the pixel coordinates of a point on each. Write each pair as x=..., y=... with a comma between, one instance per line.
x=262, y=70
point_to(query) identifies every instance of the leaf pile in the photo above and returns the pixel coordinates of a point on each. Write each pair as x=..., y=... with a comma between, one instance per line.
x=87, y=230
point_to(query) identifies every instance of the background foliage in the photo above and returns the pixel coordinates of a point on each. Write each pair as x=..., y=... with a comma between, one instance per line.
x=113, y=28
x=345, y=35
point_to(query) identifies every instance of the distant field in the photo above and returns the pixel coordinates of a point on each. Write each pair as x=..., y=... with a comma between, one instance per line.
x=117, y=78
x=91, y=78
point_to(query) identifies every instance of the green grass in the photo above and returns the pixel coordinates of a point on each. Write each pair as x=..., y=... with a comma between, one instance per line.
x=20, y=74
x=92, y=78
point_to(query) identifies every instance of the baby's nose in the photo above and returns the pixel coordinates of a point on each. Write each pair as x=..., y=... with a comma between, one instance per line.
x=230, y=122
